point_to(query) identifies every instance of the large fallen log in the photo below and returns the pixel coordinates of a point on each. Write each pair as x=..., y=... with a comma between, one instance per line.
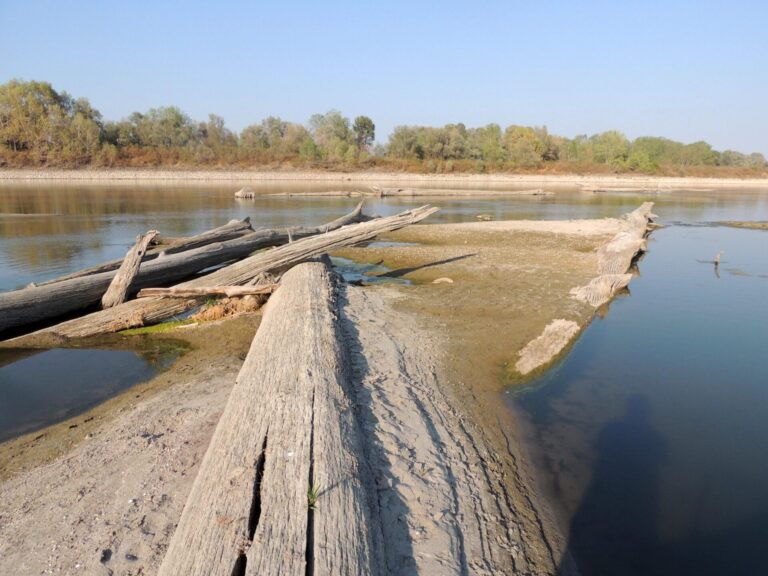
x=148, y=311
x=288, y=426
x=121, y=283
x=38, y=303
x=170, y=245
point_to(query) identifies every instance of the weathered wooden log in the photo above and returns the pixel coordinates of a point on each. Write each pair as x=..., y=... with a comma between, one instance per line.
x=170, y=245
x=616, y=256
x=549, y=344
x=245, y=192
x=121, y=282
x=38, y=303
x=228, y=291
x=289, y=424
x=601, y=289
x=148, y=311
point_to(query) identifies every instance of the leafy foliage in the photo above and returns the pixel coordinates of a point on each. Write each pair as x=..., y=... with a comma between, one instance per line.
x=42, y=127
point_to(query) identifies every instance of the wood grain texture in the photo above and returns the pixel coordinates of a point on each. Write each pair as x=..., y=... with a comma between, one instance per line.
x=289, y=421
x=117, y=291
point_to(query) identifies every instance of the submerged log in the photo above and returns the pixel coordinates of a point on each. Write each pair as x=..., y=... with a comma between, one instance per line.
x=289, y=425
x=228, y=291
x=38, y=303
x=121, y=283
x=170, y=245
x=148, y=311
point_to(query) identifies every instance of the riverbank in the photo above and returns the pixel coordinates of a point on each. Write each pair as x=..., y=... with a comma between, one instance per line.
x=181, y=176
x=430, y=361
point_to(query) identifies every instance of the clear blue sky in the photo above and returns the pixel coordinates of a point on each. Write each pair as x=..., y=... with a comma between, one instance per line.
x=686, y=70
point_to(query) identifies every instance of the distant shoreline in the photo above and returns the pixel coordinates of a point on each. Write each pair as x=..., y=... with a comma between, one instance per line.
x=122, y=175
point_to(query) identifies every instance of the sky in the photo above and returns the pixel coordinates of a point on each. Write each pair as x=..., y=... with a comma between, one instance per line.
x=695, y=70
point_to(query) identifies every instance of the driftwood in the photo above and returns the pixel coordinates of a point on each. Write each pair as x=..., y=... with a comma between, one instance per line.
x=601, y=289
x=615, y=258
x=170, y=245
x=289, y=425
x=118, y=288
x=148, y=311
x=228, y=291
x=552, y=341
x=245, y=192
x=37, y=303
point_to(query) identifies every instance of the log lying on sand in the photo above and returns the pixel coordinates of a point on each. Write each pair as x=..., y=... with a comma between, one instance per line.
x=613, y=261
x=384, y=192
x=615, y=258
x=121, y=283
x=38, y=303
x=289, y=425
x=170, y=245
x=601, y=289
x=148, y=311
x=552, y=341
x=228, y=291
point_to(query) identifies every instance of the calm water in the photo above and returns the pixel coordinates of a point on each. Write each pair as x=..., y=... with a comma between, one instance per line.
x=41, y=387
x=651, y=438
x=49, y=230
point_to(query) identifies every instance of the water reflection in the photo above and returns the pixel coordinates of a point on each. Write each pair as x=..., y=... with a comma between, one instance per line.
x=41, y=387
x=651, y=438
x=52, y=229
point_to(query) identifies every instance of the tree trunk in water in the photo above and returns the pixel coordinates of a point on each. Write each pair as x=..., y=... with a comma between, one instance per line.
x=276, y=261
x=47, y=301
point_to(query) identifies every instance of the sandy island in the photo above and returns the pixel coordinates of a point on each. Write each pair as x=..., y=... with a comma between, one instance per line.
x=431, y=360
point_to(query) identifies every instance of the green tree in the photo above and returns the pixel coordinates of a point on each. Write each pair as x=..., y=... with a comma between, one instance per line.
x=365, y=132
x=331, y=134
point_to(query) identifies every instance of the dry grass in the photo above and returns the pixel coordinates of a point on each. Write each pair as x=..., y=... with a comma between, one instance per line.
x=218, y=309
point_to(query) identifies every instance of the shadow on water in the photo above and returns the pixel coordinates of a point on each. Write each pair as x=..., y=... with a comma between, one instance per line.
x=617, y=514
x=616, y=527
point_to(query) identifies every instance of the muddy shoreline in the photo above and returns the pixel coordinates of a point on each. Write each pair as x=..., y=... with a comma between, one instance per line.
x=182, y=176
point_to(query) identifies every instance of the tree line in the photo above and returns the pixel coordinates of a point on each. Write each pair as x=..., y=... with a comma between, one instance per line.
x=40, y=126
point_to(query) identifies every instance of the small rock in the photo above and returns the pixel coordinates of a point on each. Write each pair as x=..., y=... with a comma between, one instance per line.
x=131, y=557
x=106, y=555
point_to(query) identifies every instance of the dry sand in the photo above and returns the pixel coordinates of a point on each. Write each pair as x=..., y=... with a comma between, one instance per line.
x=430, y=359
x=599, y=181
